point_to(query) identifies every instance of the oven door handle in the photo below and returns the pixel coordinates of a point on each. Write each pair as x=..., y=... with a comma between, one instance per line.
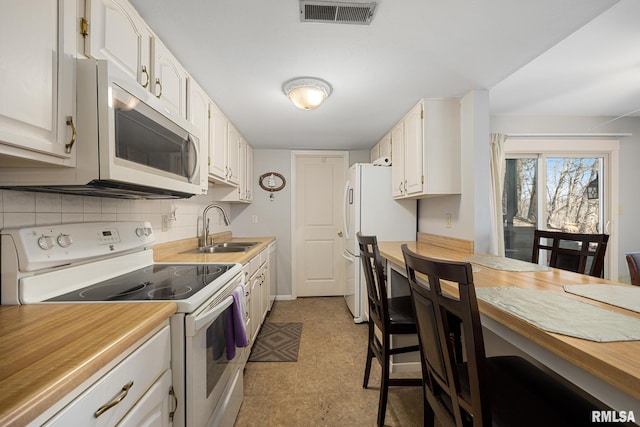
x=207, y=316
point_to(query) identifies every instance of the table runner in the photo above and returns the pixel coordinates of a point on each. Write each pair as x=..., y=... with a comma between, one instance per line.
x=627, y=297
x=563, y=315
x=507, y=264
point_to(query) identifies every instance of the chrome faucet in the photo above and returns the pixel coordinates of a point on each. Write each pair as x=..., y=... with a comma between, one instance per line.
x=204, y=238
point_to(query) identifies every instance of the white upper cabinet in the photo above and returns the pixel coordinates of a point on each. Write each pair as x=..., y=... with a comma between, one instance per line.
x=37, y=80
x=413, y=150
x=374, y=153
x=198, y=116
x=397, y=168
x=169, y=79
x=218, y=123
x=248, y=173
x=233, y=154
x=238, y=168
x=426, y=150
x=114, y=31
x=382, y=148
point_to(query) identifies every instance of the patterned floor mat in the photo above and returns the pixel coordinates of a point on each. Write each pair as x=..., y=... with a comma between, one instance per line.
x=277, y=342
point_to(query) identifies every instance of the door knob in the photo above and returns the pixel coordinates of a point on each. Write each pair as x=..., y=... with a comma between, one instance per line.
x=339, y=233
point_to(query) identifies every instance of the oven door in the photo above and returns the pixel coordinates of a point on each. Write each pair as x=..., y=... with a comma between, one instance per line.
x=212, y=358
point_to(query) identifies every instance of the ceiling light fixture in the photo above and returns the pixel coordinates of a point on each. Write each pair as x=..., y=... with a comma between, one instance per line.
x=307, y=93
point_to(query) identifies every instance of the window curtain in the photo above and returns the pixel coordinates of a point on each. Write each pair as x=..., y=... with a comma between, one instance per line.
x=497, y=164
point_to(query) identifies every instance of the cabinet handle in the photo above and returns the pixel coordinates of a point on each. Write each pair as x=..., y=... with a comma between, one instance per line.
x=123, y=393
x=146, y=73
x=159, y=84
x=405, y=185
x=175, y=403
x=69, y=145
x=400, y=187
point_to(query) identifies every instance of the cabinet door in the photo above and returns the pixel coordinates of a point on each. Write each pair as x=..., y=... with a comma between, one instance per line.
x=242, y=187
x=249, y=173
x=384, y=146
x=154, y=407
x=413, y=150
x=198, y=113
x=118, y=34
x=374, y=154
x=217, y=144
x=256, y=298
x=233, y=155
x=264, y=291
x=169, y=79
x=37, y=79
x=397, y=167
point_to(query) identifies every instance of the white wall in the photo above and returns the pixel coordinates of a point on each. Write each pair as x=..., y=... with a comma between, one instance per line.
x=629, y=172
x=470, y=210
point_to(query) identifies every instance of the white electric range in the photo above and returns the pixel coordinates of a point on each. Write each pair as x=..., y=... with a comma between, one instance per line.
x=113, y=262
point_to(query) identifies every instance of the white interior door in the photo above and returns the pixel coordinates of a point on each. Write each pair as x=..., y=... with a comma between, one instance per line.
x=317, y=236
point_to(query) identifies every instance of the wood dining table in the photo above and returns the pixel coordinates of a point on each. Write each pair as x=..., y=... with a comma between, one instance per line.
x=608, y=370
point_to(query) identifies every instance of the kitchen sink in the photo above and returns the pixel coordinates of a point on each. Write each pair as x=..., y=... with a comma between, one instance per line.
x=225, y=247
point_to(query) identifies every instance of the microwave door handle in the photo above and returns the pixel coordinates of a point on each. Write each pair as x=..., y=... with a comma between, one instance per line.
x=196, y=164
x=202, y=319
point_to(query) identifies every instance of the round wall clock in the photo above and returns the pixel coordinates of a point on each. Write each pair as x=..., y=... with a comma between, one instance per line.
x=271, y=182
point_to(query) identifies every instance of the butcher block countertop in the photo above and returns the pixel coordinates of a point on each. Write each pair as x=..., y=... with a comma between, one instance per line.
x=173, y=251
x=48, y=350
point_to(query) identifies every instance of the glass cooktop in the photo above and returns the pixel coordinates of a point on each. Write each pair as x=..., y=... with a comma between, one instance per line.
x=155, y=282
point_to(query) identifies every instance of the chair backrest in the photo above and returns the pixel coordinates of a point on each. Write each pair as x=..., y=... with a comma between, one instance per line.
x=450, y=333
x=375, y=279
x=633, y=261
x=572, y=251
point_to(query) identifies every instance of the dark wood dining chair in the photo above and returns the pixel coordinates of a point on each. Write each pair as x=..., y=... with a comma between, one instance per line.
x=578, y=252
x=633, y=261
x=391, y=316
x=463, y=387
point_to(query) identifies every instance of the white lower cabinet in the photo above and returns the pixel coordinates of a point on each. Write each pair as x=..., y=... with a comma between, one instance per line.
x=136, y=392
x=257, y=289
x=153, y=407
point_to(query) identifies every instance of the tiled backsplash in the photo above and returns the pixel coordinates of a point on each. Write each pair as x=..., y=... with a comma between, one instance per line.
x=24, y=208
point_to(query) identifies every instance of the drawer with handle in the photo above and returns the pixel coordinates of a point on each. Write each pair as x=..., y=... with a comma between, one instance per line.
x=107, y=401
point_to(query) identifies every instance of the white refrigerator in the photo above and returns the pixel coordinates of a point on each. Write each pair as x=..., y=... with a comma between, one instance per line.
x=370, y=209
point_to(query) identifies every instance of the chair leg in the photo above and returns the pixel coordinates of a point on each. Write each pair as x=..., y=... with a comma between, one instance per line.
x=370, y=356
x=384, y=381
x=429, y=415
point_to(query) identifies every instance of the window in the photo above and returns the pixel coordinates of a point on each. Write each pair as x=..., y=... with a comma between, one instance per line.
x=563, y=185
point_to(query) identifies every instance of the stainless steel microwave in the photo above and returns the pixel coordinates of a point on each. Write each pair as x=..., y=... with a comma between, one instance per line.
x=128, y=145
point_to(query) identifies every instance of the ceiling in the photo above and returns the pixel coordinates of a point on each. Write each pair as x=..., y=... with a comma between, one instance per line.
x=536, y=57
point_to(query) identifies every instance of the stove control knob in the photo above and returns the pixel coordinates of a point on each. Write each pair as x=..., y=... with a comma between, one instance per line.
x=45, y=242
x=139, y=231
x=148, y=231
x=64, y=240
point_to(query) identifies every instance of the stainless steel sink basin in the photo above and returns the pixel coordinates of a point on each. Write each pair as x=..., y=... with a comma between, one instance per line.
x=225, y=247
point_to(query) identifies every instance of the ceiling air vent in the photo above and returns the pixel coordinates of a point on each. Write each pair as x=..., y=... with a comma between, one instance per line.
x=337, y=12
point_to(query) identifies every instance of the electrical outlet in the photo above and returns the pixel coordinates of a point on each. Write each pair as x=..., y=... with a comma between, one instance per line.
x=254, y=219
x=165, y=222
x=448, y=220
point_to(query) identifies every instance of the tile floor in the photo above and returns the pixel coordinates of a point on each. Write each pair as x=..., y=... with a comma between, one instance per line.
x=324, y=387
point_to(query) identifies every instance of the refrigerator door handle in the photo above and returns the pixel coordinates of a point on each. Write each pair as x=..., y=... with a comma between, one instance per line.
x=345, y=212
